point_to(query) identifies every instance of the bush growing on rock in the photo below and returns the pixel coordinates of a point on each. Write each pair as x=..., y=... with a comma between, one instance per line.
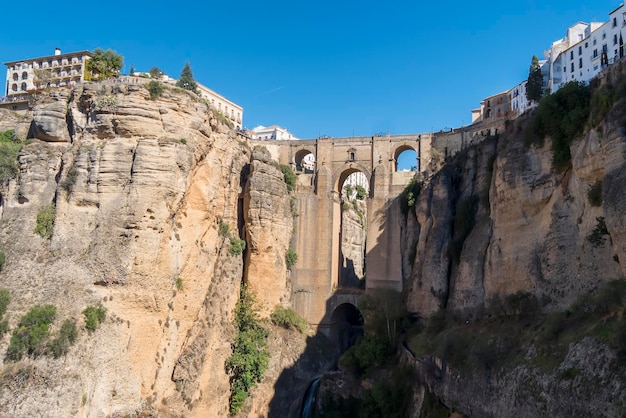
x=250, y=357
x=94, y=316
x=31, y=333
x=288, y=318
x=45, y=221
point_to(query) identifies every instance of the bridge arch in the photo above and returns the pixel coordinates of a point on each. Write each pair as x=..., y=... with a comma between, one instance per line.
x=404, y=149
x=340, y=175
x=304, y=160
x=346, y=325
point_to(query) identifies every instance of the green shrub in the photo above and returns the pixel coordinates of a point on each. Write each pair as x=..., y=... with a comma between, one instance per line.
x=31, y=333
x=179, y=283
x=9, y=150
x=94, y=316
x=602, y=101
x=562, y=117
x=291, y=258
x=409, y=195
x=155, y=88
x=236, y=246
x=223, y=229
x=45, y=221
x=289, y=176
x=288, y=318
x=367, y=353
x=250, y=357
x=60, y=345
x=594, y=194
x=361, y=193
x=5, y=299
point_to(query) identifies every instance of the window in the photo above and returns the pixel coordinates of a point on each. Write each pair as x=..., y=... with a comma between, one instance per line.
x=614, y=39
x=571, y=55
x=604, y=36
x=580, y=63
x=352, y=156
x=594, y=41
x=595, y=53
x=15, y=76
x=614, y=21
x=564, y=69
x=586, y=44
x=572, y=68
x=14, y=87
x=604, y=48
x=23, y=87
x=580, y=50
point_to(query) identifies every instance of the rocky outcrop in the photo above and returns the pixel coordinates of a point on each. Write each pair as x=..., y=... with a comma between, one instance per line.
x=140, y=189
x=584, y=384
x=269, y=226
x=529, y=228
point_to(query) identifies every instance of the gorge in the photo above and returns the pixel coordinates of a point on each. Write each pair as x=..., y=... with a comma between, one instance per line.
x=489, y=285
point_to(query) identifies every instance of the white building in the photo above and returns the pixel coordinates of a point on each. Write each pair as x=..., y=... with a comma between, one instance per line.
x=232, y=111
x=273, y=132
x=58, y=70
x=586, y=49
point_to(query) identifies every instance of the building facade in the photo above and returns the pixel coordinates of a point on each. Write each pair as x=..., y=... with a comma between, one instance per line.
x=58, y=70
x=273, y=132
x=218, y=102
x=586, y=49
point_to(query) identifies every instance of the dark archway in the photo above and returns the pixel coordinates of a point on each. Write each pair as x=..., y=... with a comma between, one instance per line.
x=347, y=326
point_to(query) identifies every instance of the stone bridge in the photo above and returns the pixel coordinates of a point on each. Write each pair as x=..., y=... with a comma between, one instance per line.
x=322, y=165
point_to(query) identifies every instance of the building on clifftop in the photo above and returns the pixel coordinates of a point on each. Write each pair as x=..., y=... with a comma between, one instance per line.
x=58, y=70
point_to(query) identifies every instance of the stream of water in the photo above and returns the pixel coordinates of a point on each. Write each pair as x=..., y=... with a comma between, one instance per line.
x=308, y=406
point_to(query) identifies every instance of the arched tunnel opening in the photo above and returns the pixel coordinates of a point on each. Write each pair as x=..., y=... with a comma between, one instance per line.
x=347, y=326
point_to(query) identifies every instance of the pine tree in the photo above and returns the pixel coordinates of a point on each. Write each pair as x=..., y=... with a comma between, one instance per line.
x=186, y=80
x=534, y=88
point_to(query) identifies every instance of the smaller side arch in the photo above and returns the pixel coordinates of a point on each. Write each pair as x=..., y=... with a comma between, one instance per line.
x=304, y=160
x=404, y=148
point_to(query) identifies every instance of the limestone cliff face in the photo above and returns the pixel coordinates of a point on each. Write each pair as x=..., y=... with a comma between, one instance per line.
x=353, y=236
x=531, y=225
x=269, y=226
x=140, y=189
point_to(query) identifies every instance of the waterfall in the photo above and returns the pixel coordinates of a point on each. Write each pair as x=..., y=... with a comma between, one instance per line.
x=308, y=406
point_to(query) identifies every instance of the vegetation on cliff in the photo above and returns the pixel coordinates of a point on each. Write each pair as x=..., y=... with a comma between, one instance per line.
x=9, y=149
x=562, y=116
x=513, y=326
x=250, y=357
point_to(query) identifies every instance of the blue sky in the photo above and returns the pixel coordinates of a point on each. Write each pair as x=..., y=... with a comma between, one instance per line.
x=338, y=68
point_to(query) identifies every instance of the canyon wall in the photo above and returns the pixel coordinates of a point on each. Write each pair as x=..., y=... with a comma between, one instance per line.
x=149, y=199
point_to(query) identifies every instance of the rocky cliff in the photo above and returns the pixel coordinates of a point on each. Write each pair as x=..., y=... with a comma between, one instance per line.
x=149, y=198
x=499, y=221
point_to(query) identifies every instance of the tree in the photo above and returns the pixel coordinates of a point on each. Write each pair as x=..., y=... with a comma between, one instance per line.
x=104, y=64
x=132, y=70
x=186, y=80
x=534, y=88
x=156, y=73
